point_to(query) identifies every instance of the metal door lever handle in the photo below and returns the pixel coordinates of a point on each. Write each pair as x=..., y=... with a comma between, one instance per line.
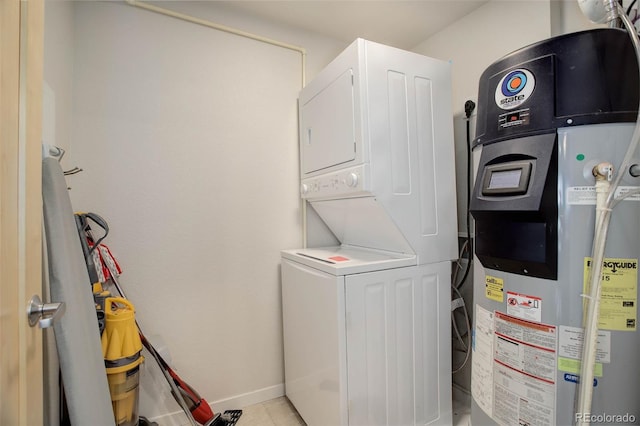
x=44, y=314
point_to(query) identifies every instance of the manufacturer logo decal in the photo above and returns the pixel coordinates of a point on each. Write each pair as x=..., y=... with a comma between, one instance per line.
x=574, y=378
x=515, y=88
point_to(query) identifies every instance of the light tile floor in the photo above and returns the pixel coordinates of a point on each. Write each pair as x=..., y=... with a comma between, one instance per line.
x=280, y=412
x=275, y=412
x=461, y=408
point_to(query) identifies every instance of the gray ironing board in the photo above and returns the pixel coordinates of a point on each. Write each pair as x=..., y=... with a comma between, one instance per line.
x=76, y=332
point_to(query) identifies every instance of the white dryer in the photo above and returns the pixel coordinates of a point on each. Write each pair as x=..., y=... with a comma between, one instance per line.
x=367, y=320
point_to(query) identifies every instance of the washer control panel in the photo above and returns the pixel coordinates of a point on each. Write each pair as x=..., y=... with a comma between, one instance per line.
x=343, y=183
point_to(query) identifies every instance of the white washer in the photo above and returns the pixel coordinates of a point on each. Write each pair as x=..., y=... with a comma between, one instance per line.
x=367, y=347
x=366, y=321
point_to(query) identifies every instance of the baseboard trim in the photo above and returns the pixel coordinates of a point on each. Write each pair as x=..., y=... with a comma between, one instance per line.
x=237, y=402
x=255, y=397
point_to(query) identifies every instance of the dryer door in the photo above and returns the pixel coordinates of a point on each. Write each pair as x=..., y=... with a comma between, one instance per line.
x=327, y=126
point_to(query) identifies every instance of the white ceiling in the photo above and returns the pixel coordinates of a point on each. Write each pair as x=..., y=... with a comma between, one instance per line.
x=399, y=23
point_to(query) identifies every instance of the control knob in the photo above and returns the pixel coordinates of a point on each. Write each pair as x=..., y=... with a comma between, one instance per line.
x=352, y=180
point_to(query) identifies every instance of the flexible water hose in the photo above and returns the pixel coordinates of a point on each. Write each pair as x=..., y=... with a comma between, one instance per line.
x=585, y=387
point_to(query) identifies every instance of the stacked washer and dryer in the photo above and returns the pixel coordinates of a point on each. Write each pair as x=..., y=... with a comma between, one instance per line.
x=367, y=319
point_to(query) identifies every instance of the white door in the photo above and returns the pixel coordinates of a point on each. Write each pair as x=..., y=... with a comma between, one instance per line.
x=21, y=56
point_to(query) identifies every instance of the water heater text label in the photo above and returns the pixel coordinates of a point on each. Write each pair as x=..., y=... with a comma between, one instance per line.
x=494, y=288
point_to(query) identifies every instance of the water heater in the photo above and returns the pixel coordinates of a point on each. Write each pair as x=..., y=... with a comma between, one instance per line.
x=547, y=114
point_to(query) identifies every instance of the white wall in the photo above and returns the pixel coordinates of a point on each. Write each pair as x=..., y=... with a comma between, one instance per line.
x=188, y=141
x=58, y=69
x=566, y=17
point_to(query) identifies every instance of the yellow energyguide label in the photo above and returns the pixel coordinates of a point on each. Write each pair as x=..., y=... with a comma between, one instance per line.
x=494, y=288
x=619, y=297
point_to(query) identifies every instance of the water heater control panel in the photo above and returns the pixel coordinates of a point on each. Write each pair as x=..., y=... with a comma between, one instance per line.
x=344, y=183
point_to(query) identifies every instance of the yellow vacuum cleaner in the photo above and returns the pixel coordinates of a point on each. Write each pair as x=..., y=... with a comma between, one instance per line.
x=122, y=341
x=121, y=347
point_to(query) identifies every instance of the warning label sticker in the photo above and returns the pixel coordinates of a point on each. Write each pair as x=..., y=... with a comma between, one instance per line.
x=619, y=297
x=570, y=350
x=524, y=306
x=570, y=343
x=586, y=195
x=524, y=371
x=494, y=288
x=482, y=360
x=339, y=258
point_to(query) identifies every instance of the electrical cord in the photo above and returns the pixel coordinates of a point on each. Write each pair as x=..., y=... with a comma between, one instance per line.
x=458, y=334
x=629, y=9
x=631, y=6
x=468, y=324
x=459, y=266
x=469, y=106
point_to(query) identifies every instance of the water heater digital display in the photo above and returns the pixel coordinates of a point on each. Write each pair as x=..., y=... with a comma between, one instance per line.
x=510, y=178
x=505, y=179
